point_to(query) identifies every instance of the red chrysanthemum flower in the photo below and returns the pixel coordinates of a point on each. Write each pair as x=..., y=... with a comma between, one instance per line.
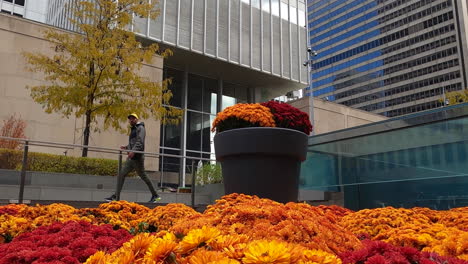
x=70, y=242
x=288, y=116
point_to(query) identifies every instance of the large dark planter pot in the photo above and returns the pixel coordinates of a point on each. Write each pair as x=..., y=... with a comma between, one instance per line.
x=262, y=161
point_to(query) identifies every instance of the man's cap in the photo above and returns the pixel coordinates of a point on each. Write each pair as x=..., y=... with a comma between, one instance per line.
x=134, y=115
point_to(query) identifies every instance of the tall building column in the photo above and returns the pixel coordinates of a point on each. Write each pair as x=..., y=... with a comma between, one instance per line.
x=219, y=98
x=183, y=137
x=250, y=95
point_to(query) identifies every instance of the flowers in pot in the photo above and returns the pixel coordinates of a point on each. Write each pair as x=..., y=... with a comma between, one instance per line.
x=268, y=114
x=243, y=115
x=260, y=148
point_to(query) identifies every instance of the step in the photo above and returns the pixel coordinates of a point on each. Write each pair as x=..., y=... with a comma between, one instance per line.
x=50, y=179
x=46, y=193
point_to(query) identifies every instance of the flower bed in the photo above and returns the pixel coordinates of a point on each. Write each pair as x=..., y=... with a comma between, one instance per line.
x=237, y=229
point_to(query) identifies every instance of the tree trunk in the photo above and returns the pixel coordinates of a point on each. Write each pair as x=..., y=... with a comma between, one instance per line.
x=89, y=106
x=86, y=134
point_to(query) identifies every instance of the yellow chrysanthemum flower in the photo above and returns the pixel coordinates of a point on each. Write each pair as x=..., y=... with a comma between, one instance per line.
x=99, y=257
x=123, y=257
x=262, y=251
x=13, y=226
x=222, y=242
x=197, y=237
x=169, y=237
x=160, y=250
x=224, y=261
x=140, y=243
x=235, y=251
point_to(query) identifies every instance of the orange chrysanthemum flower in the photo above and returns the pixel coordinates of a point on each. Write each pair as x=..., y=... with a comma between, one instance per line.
x=164, y=217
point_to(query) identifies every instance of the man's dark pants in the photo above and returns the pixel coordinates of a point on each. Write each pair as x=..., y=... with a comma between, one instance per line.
x=139, y=166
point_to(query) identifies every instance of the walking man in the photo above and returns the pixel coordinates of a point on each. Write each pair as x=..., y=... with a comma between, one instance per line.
x=135, y=161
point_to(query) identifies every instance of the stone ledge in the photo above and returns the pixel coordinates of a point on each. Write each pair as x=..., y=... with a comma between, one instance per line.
x=43, y=193
x=52, y=179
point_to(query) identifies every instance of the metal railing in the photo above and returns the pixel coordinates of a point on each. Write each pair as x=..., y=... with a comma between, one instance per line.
x=28, y=142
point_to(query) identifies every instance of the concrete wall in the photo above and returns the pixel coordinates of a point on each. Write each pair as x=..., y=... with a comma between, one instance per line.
x=329, y=116
x=18, y=35
x=75, y=187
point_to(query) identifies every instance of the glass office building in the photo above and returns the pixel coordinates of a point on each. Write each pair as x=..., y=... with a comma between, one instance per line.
x=390, y=57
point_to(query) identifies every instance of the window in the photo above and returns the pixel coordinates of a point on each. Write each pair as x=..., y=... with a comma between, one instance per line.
x=175, y=86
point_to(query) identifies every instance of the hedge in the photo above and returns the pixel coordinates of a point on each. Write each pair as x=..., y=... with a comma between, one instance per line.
x=42, y=162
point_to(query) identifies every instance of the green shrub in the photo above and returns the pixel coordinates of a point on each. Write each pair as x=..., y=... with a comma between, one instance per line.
x=12, y=159
x=209, y=173
x=9, y=158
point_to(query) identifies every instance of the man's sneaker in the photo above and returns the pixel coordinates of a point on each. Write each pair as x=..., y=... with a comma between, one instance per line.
x=110, y=199
x=155, y=199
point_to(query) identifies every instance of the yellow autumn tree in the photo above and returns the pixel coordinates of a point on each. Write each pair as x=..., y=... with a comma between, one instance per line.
x=457, y=97
x=94, y=73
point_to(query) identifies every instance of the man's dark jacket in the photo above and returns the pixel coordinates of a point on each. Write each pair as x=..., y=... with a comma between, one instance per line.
x=136, y=139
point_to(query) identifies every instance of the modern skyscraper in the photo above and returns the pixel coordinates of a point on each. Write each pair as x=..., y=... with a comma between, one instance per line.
x=390, y=57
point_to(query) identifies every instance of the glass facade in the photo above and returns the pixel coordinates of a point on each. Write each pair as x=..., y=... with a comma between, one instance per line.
x=192, y=137
x=390, y=57
x=419, y=160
